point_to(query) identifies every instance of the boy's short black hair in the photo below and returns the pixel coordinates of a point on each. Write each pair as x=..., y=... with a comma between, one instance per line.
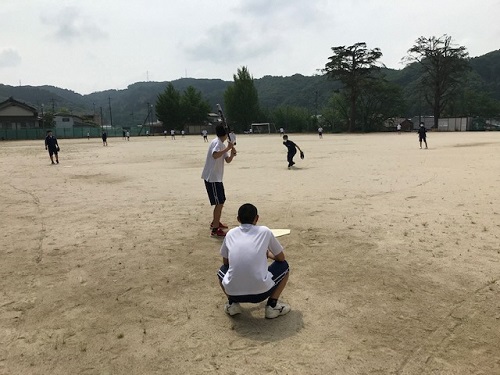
x=220, y=131
x=49, y=131
x=285, y=137
x=247, y=213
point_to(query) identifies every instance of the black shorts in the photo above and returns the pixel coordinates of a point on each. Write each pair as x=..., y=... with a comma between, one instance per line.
x=216, y=193
x=279, y=271
x=52, y=151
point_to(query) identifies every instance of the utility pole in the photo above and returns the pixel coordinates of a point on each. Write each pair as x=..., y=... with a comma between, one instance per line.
x=110, y=115
x=101, y=119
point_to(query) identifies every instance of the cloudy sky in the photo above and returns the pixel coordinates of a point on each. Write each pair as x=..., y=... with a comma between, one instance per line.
x=95, y=45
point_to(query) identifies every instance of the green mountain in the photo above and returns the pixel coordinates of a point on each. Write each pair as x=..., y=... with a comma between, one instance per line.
x=130, y=106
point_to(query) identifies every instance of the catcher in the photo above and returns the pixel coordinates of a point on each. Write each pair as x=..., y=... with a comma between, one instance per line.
x=292, y=150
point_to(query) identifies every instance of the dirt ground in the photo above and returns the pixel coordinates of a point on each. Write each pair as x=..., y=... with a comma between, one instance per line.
x=107, y=266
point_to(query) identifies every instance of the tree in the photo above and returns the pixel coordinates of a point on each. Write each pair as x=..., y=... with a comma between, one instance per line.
x=194, y=108
x=242, y=100
x=168, y=107
x=353, y=66
x=443, y=66
x=378, y=101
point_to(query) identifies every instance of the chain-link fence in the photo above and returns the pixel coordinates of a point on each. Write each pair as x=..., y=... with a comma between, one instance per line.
x=79, y=132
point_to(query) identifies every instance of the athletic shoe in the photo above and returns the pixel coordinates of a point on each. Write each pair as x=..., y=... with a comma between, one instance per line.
x=222, y=226
x=279, y=309
x=232, y=309
x=218, y=233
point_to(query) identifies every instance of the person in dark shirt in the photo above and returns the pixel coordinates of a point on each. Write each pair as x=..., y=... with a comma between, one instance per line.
x=52, y=146
x=292, y=150
x=422, y=135
x=104, y=139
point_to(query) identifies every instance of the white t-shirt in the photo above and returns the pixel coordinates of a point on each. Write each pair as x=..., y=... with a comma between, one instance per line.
x=246, y=249
x=214, y=168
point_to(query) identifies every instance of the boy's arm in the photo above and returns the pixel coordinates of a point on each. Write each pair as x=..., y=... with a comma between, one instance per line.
x=279, y=257
x=229, y=159
x=218, y=154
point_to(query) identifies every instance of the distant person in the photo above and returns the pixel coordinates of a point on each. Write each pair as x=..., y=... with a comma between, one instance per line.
x=212, y=175
x=292, y=150
x=88, y=135
x=124, y=134
x=183, y=133
x=320, y=132
x=127, y=134
x=282, y=131
x=245, y=276
x=399, y=128
x=104, y=138
x=422, y=135
x=165, y=133
x=147, y=133
x=52, y=146
x=204, y=133
x=172, y=134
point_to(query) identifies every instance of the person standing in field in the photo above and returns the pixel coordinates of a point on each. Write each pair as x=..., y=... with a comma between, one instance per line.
x=218, y=154
x=52, y=146
x=88, y=135
x=320, y=132
x=422, y=135
x=172, y=134
x=104, y=138
x=205, y=135
x=399, y=129
x=127, y=134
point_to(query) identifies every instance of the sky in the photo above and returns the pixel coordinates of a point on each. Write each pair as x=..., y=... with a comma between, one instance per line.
x=95, y=45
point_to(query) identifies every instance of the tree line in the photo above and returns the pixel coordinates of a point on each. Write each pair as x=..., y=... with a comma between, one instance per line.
x=366, y=97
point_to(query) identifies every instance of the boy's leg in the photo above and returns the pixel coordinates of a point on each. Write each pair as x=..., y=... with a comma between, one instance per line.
x=217, y=215
x=279, y=289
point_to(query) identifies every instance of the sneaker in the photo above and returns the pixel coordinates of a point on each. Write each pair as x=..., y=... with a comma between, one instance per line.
x=223, y=226
x=232, y=309
x=218, y=233
x=279, y=309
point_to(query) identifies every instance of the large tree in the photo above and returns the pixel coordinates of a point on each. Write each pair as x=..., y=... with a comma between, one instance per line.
x=242, y=100
x=443, y=67
x=168, y=107
x=353, y=66
x=194, y=108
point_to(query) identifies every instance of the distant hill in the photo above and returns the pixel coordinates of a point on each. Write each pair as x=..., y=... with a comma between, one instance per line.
x=130, y=106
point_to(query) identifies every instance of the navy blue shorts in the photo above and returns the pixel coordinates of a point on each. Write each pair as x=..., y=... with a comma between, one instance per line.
x=279, y=271
x=216, y=193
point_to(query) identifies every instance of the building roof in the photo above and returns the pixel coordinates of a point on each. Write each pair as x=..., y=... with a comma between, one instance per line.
x=13, y=102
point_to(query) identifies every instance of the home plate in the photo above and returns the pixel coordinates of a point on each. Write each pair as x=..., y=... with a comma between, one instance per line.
x=280, y=232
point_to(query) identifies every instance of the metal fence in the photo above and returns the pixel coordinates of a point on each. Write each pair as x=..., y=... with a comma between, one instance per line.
x=80, y=132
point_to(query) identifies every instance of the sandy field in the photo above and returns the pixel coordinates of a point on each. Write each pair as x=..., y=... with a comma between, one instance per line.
x=107, y=265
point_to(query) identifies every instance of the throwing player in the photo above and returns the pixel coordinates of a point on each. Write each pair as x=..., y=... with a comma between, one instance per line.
x=292, y=150
x=212, y=174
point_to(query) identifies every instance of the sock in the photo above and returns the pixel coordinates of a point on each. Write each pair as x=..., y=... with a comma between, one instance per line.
x=272, y=302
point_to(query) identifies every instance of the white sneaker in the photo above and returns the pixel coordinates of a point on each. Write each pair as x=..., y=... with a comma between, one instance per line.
x=232, y=309
x=279, y=309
